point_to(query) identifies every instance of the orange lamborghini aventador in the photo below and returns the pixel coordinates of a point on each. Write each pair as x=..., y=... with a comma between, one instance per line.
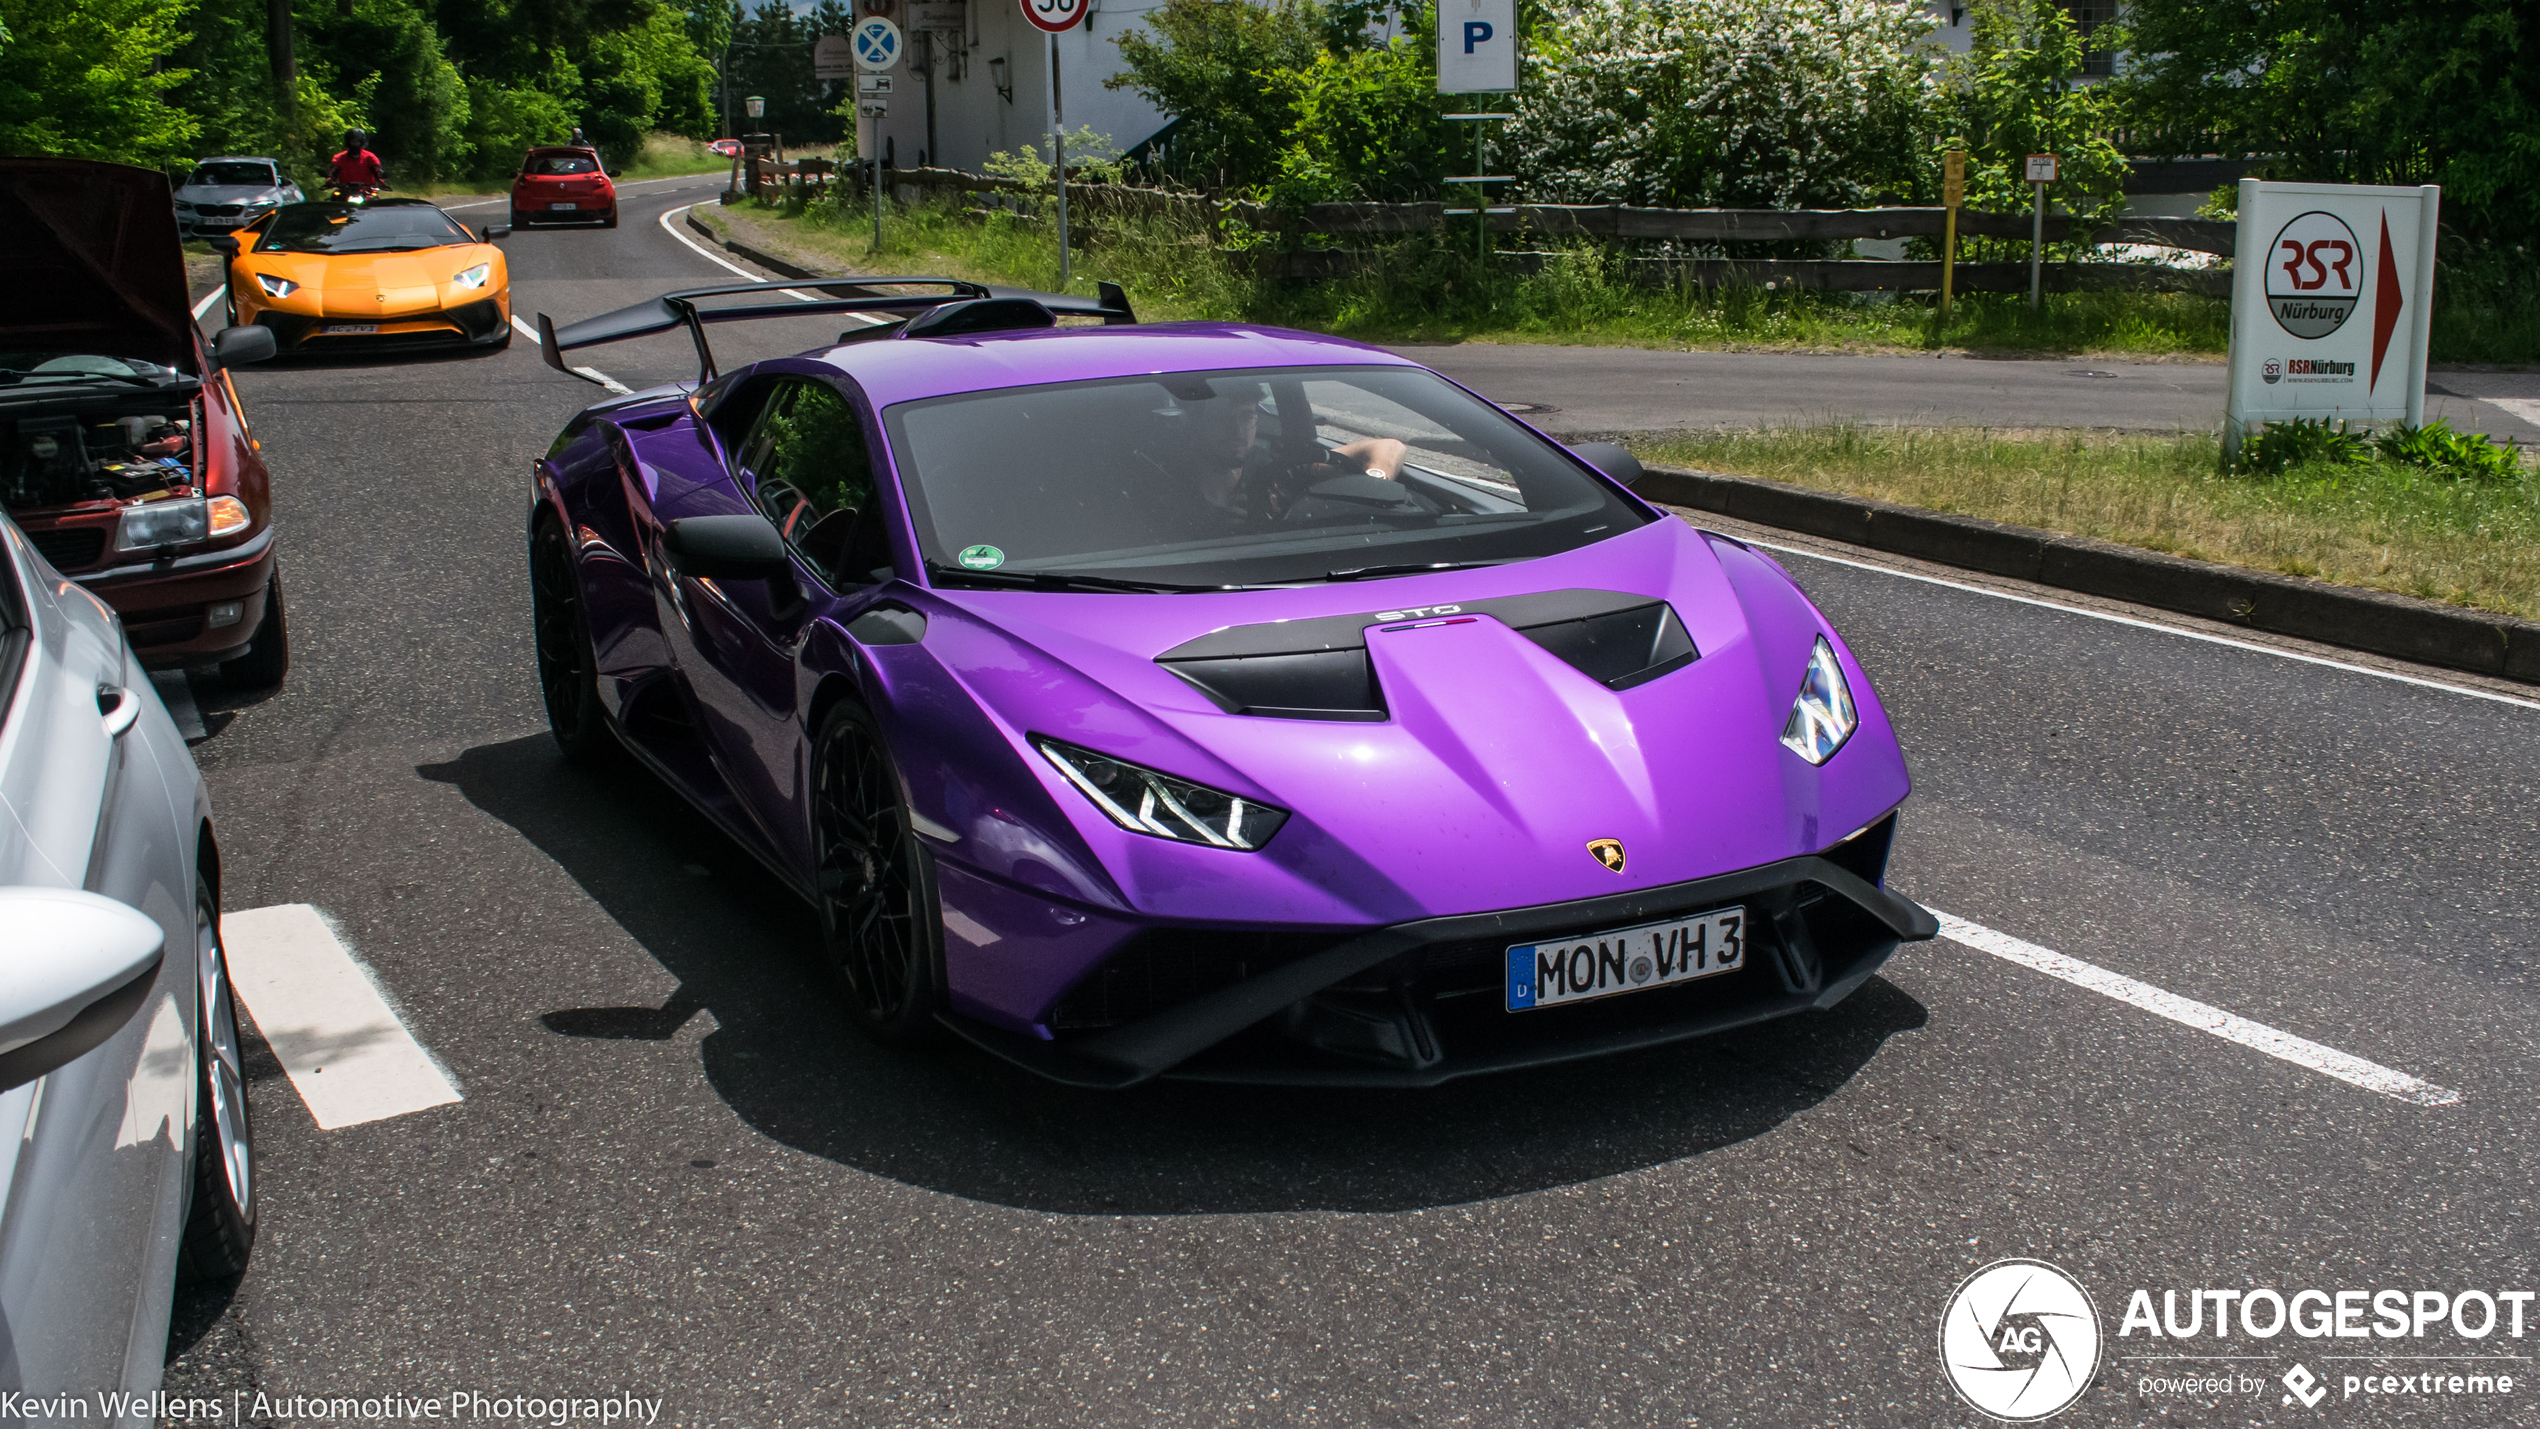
x=379, y=273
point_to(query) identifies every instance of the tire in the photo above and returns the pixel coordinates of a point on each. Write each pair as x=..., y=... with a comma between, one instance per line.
x=220, y=1229
x=881, y=929
x=610, y=221
x=568, y=667
x=268, y=657
x=519, y=220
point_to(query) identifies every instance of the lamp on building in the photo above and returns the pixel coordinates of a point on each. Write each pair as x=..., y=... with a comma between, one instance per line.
x=996, y=76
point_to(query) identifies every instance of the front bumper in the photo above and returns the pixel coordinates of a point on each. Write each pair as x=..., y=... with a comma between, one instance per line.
x=479, y=322
x=1418, y=1003
x=163, y=604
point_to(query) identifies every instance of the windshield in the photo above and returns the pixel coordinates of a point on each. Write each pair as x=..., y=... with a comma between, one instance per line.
x=350, y=228
x=231, y=175
x=47, y=366
x=562, y=164
x=1237, y=478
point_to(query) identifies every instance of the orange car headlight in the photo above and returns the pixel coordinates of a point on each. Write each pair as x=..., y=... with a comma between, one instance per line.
x=474, y=277
x=276, y=287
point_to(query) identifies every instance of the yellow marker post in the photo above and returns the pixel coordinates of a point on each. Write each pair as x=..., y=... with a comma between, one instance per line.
x=1953, y=192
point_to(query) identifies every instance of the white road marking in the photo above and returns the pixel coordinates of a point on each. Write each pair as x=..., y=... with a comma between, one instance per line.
x=209, y=298
x=348, y=1054
x=2128, y=620
x=2527, y=408
x=867, y=319
x=2257, y=1036
x=595, y=374
x=177, y=693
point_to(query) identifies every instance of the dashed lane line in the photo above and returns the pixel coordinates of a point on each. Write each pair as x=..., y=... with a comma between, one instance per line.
x=2128, y=620
x=2257, y=1036
x=346, y=1050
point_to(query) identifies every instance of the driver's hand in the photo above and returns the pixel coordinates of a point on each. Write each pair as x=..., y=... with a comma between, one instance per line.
x=1376, y=456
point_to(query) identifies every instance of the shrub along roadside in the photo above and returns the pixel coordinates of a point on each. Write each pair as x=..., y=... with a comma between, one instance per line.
x=2383, y=524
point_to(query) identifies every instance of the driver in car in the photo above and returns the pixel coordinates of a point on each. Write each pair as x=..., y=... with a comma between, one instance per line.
x=1241, y=476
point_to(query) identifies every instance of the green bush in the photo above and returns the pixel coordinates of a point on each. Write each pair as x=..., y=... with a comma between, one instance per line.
x=88, y=78
x=2466, y=455
x=2434, y=447
x=2281, y=446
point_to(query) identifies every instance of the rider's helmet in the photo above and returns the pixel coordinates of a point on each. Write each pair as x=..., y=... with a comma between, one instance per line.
x=355, y=141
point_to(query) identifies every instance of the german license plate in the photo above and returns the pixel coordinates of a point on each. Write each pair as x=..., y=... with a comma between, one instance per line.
x=351, y=329
x=1626, y=960
x=564, y=207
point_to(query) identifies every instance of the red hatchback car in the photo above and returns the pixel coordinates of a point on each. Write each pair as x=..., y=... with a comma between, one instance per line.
x=563, y=185
x=123, y=454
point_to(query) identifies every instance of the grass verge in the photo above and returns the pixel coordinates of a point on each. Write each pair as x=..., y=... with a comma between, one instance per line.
x=2381, y=525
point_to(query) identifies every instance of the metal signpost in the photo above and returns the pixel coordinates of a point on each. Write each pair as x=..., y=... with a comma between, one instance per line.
x=1057, y=17
x=1953, y=192
x=2332, y=293
x=2041, y=172
x=1477, y=54
x=877, y=48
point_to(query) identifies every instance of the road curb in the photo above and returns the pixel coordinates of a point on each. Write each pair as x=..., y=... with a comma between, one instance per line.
x=769, y=261
x=2399, y=626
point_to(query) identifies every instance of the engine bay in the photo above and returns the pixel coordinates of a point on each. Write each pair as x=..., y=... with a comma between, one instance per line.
x=121, y=457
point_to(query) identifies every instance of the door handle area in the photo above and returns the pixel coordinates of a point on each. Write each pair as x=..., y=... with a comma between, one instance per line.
x=117, y=709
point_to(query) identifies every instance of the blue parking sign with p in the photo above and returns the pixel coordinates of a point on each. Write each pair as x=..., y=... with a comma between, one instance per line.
x=1477, y=46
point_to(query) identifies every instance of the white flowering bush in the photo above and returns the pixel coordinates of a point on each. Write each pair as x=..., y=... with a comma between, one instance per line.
x=1727, y=103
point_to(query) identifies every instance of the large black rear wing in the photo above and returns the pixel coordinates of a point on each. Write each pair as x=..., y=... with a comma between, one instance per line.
x=966, y=307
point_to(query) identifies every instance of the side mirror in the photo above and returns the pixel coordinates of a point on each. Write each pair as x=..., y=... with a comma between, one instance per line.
x=739, y=548
x=79, y=967
x=493, y=231
x=1611, y=460
x=224, y=245
x=234, y=345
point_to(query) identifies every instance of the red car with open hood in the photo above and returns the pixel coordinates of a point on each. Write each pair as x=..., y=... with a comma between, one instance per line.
x=124, y=455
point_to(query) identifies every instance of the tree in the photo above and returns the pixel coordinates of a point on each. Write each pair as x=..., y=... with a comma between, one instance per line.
x=2433, y=91
x=1208, y=63
x=1725, y=103
x=2013, y=95
x=83, y=78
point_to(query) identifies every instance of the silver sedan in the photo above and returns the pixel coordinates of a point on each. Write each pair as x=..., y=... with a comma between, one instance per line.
x=126, y=1156
x=226, y=193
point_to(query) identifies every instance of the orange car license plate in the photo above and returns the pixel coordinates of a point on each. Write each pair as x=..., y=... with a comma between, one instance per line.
x=349, y=328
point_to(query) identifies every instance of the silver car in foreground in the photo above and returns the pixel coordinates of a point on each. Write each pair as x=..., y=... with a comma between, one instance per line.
x=126, y=1157
x=223, y=194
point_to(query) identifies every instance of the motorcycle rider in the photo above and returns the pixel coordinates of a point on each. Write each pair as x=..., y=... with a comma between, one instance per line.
x=356, y=169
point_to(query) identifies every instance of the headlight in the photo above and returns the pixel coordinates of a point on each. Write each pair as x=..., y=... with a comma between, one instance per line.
x=474, y=277
x=164, y=523
x=276, y=287
x=1144, y=801
x=189, y=208
x=1822, y=718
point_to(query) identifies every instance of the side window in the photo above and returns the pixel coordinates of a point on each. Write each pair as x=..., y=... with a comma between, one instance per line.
x=812, y=475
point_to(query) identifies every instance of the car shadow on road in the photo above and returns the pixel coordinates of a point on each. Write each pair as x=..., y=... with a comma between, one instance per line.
x=953, y=1120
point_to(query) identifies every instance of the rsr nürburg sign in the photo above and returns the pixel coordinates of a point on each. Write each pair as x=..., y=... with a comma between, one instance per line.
x=2332, y=290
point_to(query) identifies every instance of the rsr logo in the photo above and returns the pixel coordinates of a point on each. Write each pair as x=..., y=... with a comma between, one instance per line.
x=1418, y=612
x=2315, y=275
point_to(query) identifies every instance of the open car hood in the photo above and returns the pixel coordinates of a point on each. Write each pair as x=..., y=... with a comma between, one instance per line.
x=94, y=261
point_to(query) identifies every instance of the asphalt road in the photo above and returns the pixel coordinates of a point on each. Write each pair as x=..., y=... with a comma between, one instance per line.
x=677, y=1173
x=1617, y=389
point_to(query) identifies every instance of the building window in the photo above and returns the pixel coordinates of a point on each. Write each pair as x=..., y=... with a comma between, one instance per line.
x=2098, y=59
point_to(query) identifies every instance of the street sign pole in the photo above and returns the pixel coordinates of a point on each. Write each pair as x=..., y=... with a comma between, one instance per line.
x=877, y=45
x=1057, y=17
x=1477, y=55
x=2041, y=172
x=1953, y=192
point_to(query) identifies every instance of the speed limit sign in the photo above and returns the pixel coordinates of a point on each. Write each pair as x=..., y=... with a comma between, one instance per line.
x=1054, y=15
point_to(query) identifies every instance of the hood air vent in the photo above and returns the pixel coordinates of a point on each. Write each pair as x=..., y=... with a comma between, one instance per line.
x=1318, y=668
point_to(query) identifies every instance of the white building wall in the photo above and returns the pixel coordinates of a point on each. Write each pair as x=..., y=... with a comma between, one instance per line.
x=972, y=120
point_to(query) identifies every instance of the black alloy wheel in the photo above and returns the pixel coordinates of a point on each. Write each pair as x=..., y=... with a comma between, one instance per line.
x=568, y=669
x=880, y=930
x=220, y=1228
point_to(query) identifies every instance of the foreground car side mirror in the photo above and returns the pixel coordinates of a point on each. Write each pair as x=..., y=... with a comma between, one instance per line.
x=224, y=245
x=79, y=967
x=234, y=345
x=1611, y=460
x=738, y=548
x=493, y=231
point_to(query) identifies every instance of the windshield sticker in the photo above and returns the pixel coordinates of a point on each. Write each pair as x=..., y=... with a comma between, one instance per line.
x=980, y=558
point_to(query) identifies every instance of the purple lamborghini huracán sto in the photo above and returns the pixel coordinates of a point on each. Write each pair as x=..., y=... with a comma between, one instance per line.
x=1209, y=701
